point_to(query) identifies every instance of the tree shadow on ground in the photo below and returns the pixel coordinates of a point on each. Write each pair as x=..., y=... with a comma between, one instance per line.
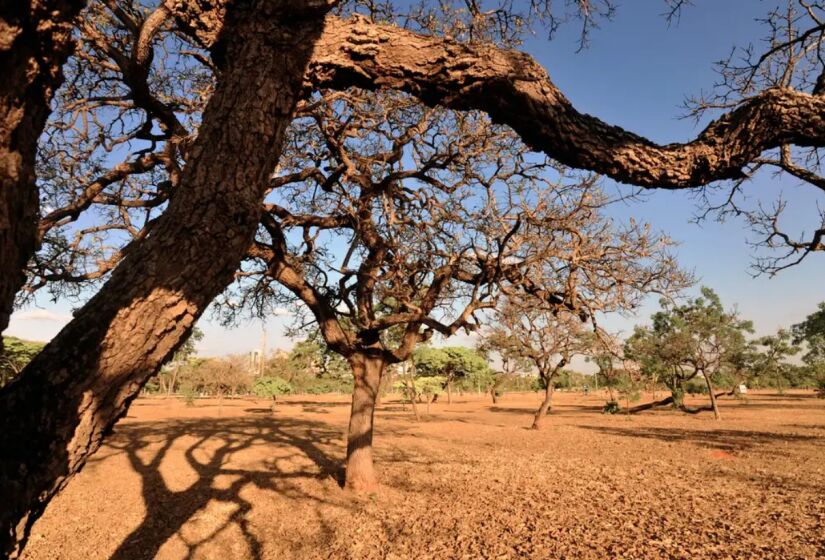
x=725, y=440
x=208, y=449
x=557, y=410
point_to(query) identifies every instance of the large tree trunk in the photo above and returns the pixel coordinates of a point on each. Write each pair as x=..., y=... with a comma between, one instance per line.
x=55, y=415
x=538, y=421
x=31, y=55
x=712, y=396
x=367, y=371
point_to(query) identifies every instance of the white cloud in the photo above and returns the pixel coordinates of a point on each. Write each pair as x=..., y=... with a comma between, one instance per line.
x=41, y=315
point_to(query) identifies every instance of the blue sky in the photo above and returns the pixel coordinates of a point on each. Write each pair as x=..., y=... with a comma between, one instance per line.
x=635, y=74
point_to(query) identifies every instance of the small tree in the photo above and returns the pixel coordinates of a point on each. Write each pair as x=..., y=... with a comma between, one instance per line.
x=771, y=364
x=271, y=387
x=549, y=338
x=15, y=353
x=496, y=341
x=452, y=364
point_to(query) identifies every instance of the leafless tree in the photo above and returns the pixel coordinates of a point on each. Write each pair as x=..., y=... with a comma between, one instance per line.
x=390, y=222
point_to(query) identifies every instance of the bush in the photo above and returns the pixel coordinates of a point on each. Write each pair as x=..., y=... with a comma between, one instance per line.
x=188, y=394
x=611, y=407
x=820, y=387
x=695, y=387
x=322, y=385
x=270, y=387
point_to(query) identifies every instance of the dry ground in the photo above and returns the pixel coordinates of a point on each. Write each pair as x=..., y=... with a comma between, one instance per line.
x=232, y=481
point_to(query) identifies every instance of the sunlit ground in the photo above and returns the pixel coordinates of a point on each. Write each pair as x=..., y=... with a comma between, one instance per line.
x=231, y=481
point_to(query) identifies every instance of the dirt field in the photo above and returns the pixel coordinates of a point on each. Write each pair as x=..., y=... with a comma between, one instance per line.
x=234, y=482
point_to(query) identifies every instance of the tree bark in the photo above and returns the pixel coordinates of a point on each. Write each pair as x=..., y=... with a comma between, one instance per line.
x=367, y=371
x=55, y=415
x=712, y=396
x=35, y=41
x=515, y=90
x=449, y=392
x=538, y=421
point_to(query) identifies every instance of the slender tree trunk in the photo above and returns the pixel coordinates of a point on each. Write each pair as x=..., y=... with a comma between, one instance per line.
x=64, y=403
x=494, y=395
x=415, y=407
x=367, y=371
x=712, y=396
x=172, y=381
x=31, y=56
x=545, y=406
x=449, y=392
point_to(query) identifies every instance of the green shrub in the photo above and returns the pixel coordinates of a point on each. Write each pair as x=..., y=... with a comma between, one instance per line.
x=271, y=387
x=188, y=394
x=696, y=387
x=611, y=407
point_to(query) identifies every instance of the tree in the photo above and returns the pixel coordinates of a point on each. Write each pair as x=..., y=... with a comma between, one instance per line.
x=383, y=250
x=229, y=375
x=495, y=341
x=548, y=338
x=811, y=331
x=771, y=364
x=31, y=55
x=15, y=353
x=57, y=411
x=168, y=376
x=271, y=387
x=770, y=113
x=452, y=364
x=698, y=338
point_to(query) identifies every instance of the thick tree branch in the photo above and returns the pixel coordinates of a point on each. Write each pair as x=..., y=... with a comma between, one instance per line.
x=515, y=90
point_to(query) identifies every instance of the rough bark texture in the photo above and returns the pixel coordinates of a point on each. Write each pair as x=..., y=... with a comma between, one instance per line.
x=515, y=90
x=64, y=403
x=367, y=372
x=35, y=40
x=538, y=421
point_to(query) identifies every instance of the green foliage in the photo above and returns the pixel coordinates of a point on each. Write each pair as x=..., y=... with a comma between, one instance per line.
x=188, y=393
x=686, y=340
x=696, y=387
x=453, y=363
x=428, y=387
x=187, y=350
x=812, y=332
x=16, y=354
x=770, y=368
x=270, y=387
x=569, y=379
x=311, y=367
x=611, y=407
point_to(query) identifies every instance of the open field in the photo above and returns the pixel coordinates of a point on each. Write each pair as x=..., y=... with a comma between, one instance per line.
x=232, y=481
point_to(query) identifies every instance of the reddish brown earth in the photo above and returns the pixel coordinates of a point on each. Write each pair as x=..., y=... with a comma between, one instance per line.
x=232, y=481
